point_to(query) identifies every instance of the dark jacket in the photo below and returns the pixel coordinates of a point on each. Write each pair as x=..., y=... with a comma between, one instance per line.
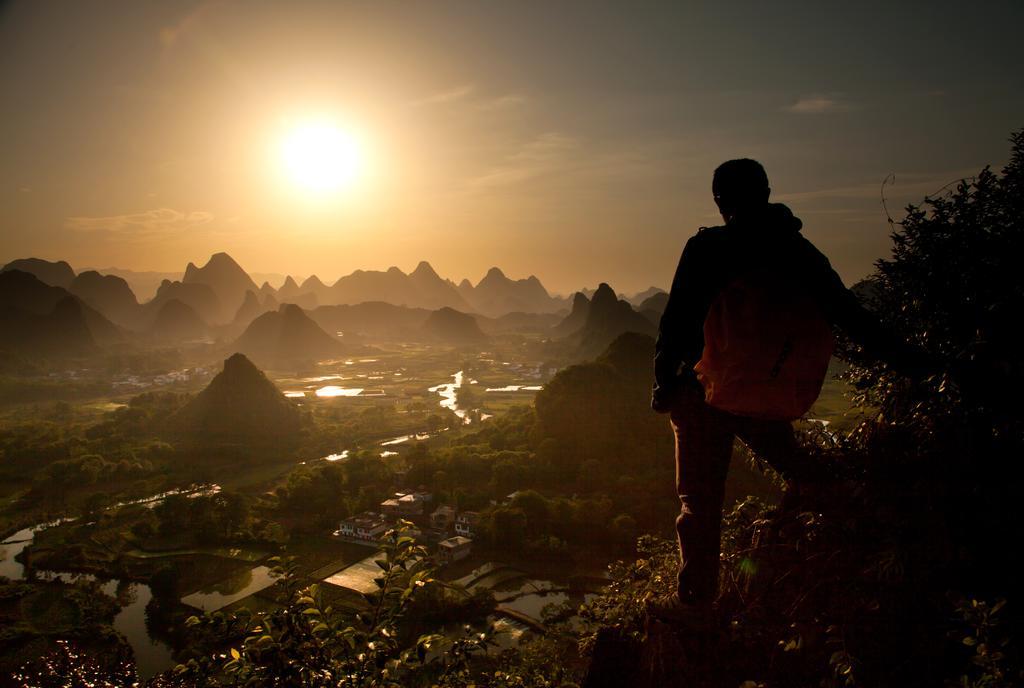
x=715, y=256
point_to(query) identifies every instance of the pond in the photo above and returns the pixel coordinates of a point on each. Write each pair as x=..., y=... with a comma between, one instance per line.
x=231, y=590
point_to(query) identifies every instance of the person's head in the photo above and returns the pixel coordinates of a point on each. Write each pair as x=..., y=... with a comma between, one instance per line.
x=740, y=187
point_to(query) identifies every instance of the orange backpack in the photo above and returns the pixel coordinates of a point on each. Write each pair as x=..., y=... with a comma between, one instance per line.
x=766, y=348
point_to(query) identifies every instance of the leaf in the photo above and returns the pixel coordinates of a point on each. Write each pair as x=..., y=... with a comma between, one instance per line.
x=235, y=653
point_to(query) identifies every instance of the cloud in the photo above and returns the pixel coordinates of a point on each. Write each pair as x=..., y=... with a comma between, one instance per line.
x=466, y=96
x=502, y=102
x=543, y=155
x=151, y=223
x=449, y=95
x=816, y=105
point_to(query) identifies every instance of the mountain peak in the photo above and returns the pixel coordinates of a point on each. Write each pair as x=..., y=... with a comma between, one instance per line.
x=240, y=405
x=56, y=274
x=424, y=269
x=221, y=257
x=604, y=293
x=237, y=366
x=495, y=273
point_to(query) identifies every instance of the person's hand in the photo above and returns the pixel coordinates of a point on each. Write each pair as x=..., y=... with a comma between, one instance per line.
x=661, y=400
x=666, y=398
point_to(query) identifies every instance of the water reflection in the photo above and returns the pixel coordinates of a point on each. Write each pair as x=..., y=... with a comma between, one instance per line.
x=449, y=399
x=231, y=589
x=335, y=391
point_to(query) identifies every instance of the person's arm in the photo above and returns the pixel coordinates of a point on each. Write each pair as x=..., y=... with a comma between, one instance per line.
x=680, y=332
x=844, y=310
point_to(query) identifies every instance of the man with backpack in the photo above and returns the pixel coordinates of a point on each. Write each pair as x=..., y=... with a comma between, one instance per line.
x=743, y=349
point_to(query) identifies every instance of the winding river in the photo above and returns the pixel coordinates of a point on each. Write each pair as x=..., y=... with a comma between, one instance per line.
x=152, y=655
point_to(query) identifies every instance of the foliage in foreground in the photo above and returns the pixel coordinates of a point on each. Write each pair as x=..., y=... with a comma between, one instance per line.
x=311, y=641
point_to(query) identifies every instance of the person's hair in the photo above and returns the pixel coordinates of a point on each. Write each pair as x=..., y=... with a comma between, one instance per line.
x=740, y=183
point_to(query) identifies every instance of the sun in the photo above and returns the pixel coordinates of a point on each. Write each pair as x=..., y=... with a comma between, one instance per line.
x=320, y=157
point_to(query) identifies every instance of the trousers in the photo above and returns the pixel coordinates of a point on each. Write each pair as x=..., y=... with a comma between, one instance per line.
x=704, y=439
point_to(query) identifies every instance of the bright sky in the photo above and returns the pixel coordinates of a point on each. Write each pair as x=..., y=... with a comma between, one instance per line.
x=571, y=140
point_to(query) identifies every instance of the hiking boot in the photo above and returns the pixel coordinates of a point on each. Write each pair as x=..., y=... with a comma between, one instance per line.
x=681, y=615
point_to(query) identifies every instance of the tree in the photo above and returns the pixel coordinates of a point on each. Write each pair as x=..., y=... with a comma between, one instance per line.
x=953, y=287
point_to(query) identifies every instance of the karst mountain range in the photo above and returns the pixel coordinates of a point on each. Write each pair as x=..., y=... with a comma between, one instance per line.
x=49, y=309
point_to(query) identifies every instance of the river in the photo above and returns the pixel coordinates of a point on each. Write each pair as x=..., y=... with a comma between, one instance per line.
x=151, y=654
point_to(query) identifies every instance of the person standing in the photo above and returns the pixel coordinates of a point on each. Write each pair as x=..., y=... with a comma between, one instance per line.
x=743, y=348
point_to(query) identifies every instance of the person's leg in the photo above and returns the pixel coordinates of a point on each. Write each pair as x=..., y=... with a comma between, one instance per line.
x=775, y=442
x=704, y=439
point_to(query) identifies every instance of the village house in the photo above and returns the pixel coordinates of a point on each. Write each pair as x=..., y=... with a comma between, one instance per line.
x=406, y=504
x=367, y=526
x=466, y=522
x=389, y=507
x=453, y=549
x=443, y=517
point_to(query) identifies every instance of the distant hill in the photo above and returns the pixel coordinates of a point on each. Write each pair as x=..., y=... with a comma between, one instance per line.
x=518, y=323
x=452, y=327
x=239, y=406
x=599, y=411
x=143, y=283
x=496, y=295
x=177, y=322
x=637, y=299
x=251, y=308
x=287, y=335
x=61, y=332
x=109, y=294
x=371, y=319
x=268, y=302
x=227, y=279
x=315, y=286
x=291, y=292
x=653, y=306
x=576, y=319
x=27, y=292
x=198, y=296
x=607, y=318
x=288, y=290
x=57, y=274
x=422, y=288
x=23, y=296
